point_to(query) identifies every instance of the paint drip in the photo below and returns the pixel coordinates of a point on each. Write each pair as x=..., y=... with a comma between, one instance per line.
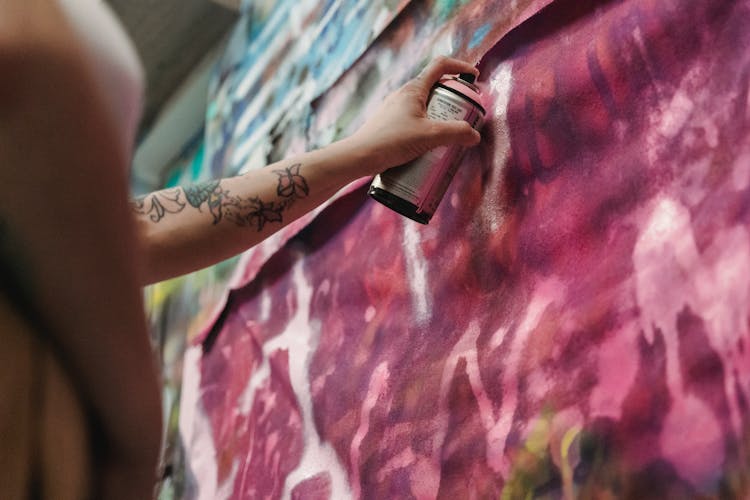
x=415, y=189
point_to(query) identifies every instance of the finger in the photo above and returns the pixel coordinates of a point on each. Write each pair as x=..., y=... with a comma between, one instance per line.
x=442, y=66
x=444, y=133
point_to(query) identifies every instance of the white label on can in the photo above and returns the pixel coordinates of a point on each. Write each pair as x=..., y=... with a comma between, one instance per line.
x=414, y=180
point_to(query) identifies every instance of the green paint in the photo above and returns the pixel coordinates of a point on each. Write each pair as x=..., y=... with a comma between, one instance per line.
x=196, y=166
x=444, y=8
x=187, y=169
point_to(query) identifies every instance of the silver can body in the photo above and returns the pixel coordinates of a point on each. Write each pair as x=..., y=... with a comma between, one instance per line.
x=422, y=183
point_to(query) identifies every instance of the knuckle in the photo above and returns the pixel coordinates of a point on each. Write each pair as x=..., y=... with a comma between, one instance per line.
x=435, y=129
x=410, y=87
x=412, y=92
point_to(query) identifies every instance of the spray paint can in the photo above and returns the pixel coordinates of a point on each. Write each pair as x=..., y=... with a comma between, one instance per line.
x=415, y=189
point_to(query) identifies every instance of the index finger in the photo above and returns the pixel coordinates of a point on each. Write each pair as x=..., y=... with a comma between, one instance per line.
x=442, y=66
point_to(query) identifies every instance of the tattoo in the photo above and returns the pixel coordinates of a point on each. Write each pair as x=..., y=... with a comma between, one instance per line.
x=291, y=184
x=251, y=211
x=256, y=213
x=206, y=192
x=157, y=205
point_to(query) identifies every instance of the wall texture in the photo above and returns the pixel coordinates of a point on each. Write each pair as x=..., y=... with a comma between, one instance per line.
x=575, y=321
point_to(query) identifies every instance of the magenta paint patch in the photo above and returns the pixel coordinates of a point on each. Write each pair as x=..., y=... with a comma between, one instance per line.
x=577, y=325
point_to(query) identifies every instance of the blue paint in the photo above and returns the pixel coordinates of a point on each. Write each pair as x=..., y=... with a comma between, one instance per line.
x=479, y=35
x=310, y=62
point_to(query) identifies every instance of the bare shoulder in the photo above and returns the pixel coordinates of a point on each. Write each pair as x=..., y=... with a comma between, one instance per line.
x=37, y=49
x=47, y=83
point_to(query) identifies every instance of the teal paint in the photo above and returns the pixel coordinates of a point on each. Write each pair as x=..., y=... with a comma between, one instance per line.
x=444, y=8
x=188, y=167
x=196, y=166
x=479, y=35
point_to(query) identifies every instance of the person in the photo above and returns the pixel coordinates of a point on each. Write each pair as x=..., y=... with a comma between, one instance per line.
x=80, y=409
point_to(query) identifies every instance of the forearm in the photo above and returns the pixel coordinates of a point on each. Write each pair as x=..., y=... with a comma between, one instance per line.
x=187, y=228
x=184, y=229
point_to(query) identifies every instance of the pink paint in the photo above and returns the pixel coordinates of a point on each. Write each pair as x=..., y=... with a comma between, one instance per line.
x=378, y=385
x=424, y=479
x=404, y=459
x=617, y=366
x=315, y=488
x=690, y=425
x=595, y=277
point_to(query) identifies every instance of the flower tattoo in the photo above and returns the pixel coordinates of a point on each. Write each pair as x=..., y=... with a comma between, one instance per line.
x=157, y=205
x=291, y=183
x=261, y=213
x=241, y=210
x=209, y=193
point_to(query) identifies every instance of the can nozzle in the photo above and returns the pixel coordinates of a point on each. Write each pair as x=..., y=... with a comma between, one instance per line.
x=467, y=77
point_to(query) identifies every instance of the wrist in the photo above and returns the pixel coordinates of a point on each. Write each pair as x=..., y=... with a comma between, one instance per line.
x=359, y=158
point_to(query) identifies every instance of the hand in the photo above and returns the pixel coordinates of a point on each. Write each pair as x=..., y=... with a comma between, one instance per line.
x=400, y=131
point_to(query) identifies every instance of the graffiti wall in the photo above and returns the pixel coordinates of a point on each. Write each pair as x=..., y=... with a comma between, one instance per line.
x=575, y=320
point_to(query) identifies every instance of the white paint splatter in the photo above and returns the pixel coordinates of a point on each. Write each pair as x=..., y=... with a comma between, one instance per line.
x=257, y=379
x=671, y=274
x=302, y=341
x=376, y=389
x=265, y=306
x=196, y=434
x=674, y=118
x=497, y=338
x=250, y=77
x=665, y=243
x=498, y=424
x=416, y=268
x=501, y=85
x=248, y=144
x=370, y=313
x=455, y=201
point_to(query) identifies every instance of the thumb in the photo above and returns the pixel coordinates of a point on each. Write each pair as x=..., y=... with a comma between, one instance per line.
x=444, y=133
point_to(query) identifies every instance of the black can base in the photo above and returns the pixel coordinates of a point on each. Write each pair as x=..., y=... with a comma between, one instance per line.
x=399, y=205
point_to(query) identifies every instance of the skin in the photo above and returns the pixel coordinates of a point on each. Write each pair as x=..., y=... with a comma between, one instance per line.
x=83, y=250
x=184, y=229
x=69, y=221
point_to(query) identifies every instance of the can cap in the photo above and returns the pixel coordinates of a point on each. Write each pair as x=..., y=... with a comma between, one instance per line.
x=464, y=88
